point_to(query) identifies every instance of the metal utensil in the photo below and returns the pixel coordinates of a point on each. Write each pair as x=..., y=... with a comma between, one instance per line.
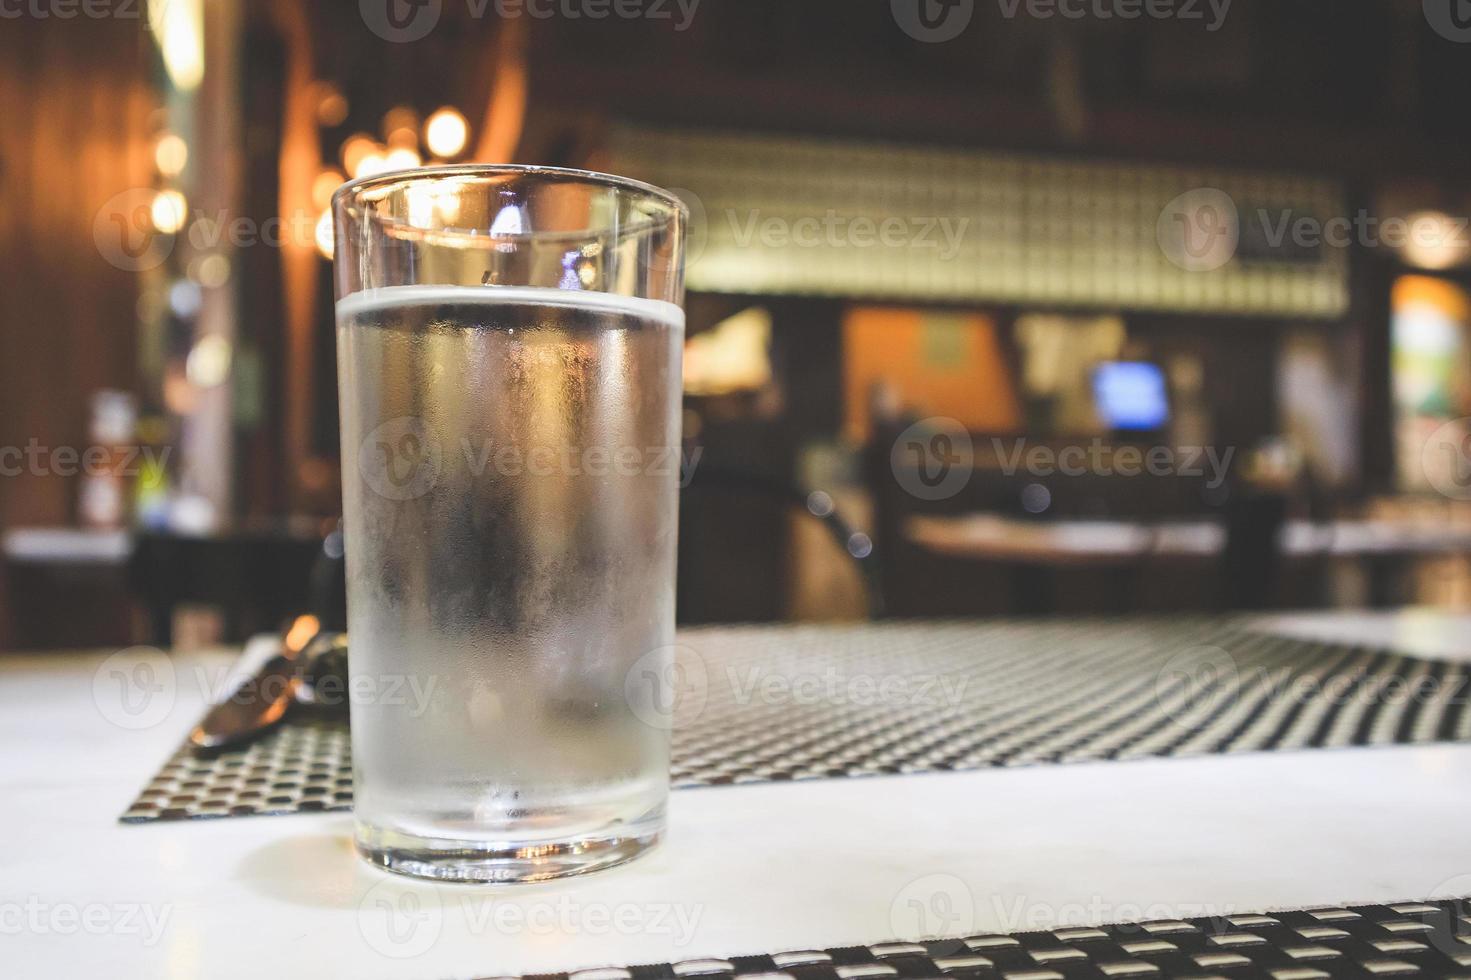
x=262, y=700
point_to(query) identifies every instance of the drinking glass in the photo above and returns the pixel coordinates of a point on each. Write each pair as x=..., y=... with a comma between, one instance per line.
x=509, y=346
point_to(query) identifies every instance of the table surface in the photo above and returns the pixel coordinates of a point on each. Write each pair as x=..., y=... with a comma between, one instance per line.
x=745, y=869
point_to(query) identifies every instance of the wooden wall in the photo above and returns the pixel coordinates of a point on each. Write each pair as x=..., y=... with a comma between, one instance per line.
x=74, y=133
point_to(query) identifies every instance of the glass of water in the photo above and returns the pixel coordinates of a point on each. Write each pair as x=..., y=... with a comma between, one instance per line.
x=509, y=348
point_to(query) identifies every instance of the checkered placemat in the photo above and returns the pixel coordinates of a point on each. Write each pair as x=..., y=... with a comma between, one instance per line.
x=1419, y=939
x=802, y=702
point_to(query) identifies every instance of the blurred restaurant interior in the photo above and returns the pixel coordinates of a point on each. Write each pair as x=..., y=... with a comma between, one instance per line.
x=1056, y=315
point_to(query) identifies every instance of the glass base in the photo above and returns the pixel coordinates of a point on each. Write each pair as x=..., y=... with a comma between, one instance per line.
x=443, y=859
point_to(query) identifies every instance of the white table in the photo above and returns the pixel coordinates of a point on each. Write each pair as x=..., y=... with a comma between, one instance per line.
x=746, y=869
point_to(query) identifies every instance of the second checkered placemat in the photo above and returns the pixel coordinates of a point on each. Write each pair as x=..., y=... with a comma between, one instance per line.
x=781, y=703
x=1412, y=939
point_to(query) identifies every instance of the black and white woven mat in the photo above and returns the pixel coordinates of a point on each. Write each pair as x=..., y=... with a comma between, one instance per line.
x=782, y=703
x=1419, y=939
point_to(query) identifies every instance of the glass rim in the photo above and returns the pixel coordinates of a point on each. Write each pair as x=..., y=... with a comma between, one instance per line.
x=356, y=187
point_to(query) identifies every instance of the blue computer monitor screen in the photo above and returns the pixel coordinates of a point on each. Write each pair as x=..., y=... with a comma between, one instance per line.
x=1130, y=396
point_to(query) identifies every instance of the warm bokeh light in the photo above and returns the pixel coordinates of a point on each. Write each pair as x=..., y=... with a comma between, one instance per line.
x=1434, y=241
x=446, y=132
x=178, y=27
x=332, y=106
x=208, y=364
x=372, y=165
x=212, y=271
x=732, y=356
x=169, y=211
x=402, y=158
x=171, y=154
x=179, y=396
x=401, y=127
x=447, y=203
x=325, y=235
x=431, y=202
x=303, y=630
x=323, y=187
x=355, y=149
